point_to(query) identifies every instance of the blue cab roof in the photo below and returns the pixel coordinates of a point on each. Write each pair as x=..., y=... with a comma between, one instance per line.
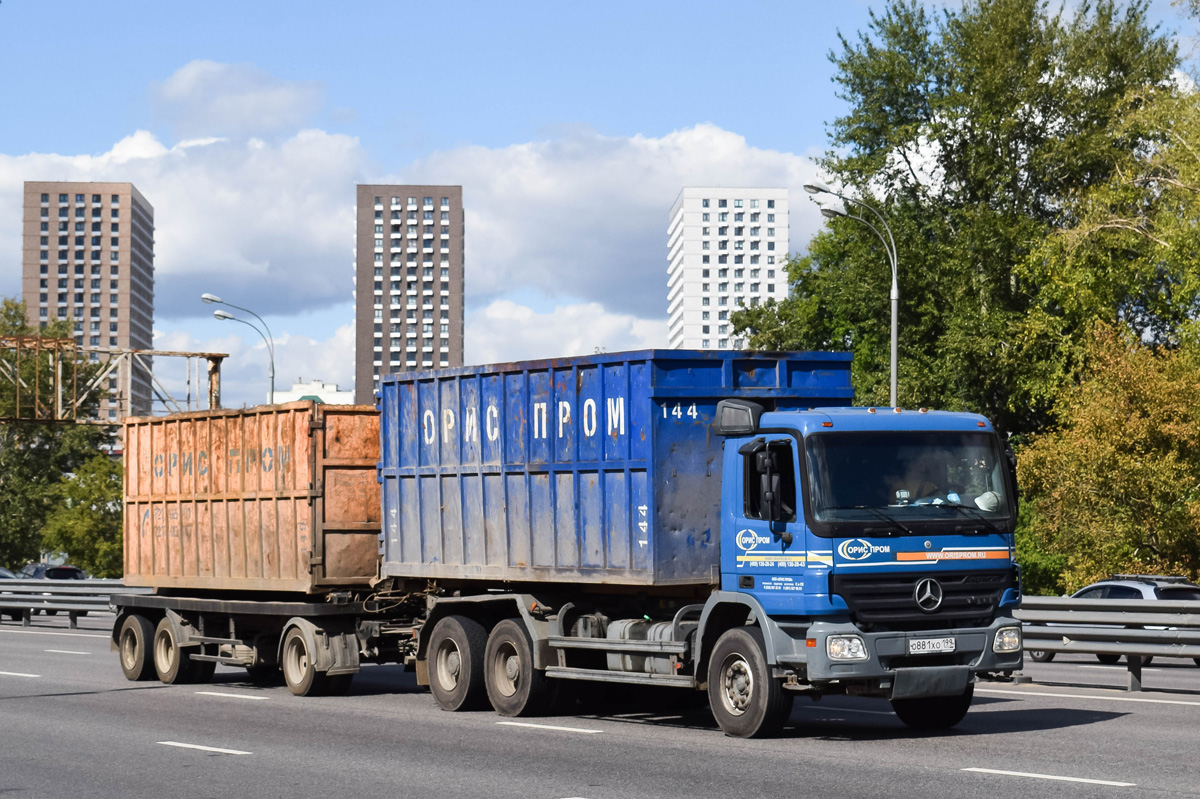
x=819, y=420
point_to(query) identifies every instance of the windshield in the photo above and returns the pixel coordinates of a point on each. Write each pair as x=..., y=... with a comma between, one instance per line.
x=897, y=478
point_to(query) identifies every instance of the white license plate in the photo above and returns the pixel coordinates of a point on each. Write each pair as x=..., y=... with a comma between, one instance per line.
x=925, y=646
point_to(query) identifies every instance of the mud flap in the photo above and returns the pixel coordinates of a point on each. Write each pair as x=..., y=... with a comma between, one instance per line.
x=930, y=681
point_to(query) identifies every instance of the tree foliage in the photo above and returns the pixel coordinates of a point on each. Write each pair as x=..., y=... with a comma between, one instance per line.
x=974, y=131
x=85, y=521
x=1116, y=488
x=36, y=458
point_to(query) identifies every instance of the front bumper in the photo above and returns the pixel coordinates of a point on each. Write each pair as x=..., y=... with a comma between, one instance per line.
x=888, y=669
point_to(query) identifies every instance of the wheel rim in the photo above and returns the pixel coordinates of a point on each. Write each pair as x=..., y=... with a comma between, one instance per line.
x=448, y=665
x=128, y=650
x=295, y=661
x=164, y=651
x=506, y=669
x=737, y=684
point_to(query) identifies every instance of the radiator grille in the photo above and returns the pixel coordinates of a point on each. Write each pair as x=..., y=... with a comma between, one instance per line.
x=887, y=601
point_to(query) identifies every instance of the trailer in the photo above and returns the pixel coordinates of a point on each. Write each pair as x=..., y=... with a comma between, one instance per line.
x=716, y=522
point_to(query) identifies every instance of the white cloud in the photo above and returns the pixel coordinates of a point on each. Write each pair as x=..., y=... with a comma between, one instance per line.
x=207, y=98
x=583, y=217
x=507, y=331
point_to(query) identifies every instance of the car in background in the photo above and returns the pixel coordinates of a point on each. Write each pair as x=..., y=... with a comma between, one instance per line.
x=44, y=571
x=1131, y=586
x=5, y=574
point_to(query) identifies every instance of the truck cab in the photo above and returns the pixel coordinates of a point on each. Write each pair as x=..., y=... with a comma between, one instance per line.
x=875, y=546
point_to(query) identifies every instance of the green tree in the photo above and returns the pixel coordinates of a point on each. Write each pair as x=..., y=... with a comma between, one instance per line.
x=34, y=455
x=85, y=522
x=972, y=130
x=1116, y=488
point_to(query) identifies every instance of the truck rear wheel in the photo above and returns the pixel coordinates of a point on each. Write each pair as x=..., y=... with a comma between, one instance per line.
x=134, y=644
x=934, y=712
x=514, y=686
x=456, y=650
x=299, y=670
x=745, y=700
x=171, y=662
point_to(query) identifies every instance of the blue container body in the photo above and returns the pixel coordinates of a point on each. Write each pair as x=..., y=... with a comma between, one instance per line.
x=598, y=469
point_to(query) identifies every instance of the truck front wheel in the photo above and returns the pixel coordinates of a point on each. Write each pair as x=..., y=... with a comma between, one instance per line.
x=745, y=700
x=934, y=712
x=514, y=686
x=299, y=671
x=456, y=663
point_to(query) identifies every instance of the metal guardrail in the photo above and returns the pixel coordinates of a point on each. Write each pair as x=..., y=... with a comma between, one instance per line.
x=21, y=599
x=1135, y=628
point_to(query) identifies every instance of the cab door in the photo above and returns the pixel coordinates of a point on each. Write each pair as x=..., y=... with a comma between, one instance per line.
x=765, y=551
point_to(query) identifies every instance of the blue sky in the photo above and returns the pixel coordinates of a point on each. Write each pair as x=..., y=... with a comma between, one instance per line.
x=571, y=127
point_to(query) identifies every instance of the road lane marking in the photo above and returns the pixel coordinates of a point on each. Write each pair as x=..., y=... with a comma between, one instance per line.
x=232, y=696
x=1002, y=691
x=547, y=727
x=17, y=674
x=1050, y=777
x=205, y=748
x=49, y=632
x=66, y=652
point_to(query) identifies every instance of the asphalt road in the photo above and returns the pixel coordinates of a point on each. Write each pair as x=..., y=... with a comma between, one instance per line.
x=72, y=726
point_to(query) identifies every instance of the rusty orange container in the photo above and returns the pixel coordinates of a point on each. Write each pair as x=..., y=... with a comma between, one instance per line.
x=271, y=498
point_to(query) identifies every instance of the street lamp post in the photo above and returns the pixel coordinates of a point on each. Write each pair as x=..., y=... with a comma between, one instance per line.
x=267, y=338
x=889, y=246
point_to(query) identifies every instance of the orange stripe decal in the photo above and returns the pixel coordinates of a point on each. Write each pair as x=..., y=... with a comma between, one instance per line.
x=955, y=554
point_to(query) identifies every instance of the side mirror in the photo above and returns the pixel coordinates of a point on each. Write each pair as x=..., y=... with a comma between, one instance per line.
x=769, y=499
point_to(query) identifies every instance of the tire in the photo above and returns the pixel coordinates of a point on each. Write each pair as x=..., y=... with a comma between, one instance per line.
x=455, y=660
x=338, y=684
x=514, y=686
x=202, y=671
x=172, y=663
x=263, y=674
x=1040, y=655
x=934, y=712
x=745, y=700
x=134, y=645
x=299, y=670
x=1196, y=661
x=1108, y=660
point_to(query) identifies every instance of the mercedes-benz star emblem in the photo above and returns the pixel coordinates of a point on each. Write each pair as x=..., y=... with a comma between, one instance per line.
x=928, y=594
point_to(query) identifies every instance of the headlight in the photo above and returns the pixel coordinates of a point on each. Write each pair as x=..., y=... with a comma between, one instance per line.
x=845, y=647
x=1008, y=639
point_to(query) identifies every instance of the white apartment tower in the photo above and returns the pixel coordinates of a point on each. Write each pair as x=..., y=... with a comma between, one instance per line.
x=726, y=250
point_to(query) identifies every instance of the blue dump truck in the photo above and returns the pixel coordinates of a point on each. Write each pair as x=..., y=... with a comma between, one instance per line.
x=721, y=522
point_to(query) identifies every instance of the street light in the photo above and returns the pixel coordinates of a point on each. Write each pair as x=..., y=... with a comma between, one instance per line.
x=889, y=246
x=266, y=337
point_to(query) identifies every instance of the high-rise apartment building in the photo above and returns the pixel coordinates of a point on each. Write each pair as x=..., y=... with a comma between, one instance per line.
x=408, y=282
x=726, y=250
x=88, y=257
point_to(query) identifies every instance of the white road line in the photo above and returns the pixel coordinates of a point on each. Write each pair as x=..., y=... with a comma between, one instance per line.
x=1088, y=696
x=66, y=652
x=48, y=632
x=17, y=674
x=1051, y=777
x=205, y=748
x=547, y=727
x=232, y=696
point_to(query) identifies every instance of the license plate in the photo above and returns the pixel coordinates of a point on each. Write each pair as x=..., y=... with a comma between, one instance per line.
x=925, y=646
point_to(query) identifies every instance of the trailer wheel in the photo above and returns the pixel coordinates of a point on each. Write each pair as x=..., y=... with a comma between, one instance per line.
x=514, y=686
x=745, y=700
x=202, y=671
x=299, y=670
x=171, y=662
x=934, y=712
x=134, y=645
x=456, y=663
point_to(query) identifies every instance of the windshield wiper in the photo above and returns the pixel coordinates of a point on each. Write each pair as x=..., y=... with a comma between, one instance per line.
x=974, y=513
x=877, y=513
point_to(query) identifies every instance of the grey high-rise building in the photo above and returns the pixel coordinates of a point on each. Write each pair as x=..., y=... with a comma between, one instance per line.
x=88, y=257
x=408, y=282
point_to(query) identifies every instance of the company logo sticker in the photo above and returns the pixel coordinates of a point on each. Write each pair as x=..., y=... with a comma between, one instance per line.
x=858, y=549
x=748, y=540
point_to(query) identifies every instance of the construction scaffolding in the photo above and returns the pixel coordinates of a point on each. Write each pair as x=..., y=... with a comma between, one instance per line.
x=56, y=380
